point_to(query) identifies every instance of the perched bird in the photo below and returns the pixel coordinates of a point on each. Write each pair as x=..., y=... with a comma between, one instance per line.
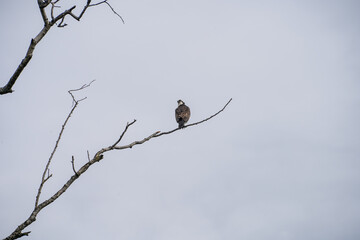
x=182, y=113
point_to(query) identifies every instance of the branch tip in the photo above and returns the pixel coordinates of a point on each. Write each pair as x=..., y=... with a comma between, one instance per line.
x=88, y=155
x=73, y=165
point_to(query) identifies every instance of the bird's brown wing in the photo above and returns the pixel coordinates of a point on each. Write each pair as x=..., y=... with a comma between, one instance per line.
x=182, y=113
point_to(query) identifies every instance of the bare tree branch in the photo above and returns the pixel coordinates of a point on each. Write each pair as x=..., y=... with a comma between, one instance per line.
x=97, y=158
x=53, y=6
x=112, y=9
x=73, y=164
x=121, y=136
x=78, y=89
x=75, y=104
x=43, y=179
x=88, y=155
x=43, y=4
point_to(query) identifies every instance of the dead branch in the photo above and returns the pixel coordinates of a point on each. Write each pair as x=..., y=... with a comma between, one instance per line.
x=75, y=104
x=112, y=9
x=88, y=155
x=73, y=164
x=43, y=179
x=97, y=158
x=55, y=20
x=78, y=89
x=121, y=136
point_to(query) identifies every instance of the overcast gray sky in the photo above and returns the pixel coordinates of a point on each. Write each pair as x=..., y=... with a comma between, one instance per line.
x=281, y=162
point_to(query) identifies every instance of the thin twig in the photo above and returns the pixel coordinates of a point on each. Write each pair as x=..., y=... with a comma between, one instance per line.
x=48, y=175
x=112, y=9
x=88, y=155
x=192, y=124
x=78, y=89
x=53, y=6
x=52, y=154
x=61, y=23
x=73, y=164
x=121, y=136
x=75, y=104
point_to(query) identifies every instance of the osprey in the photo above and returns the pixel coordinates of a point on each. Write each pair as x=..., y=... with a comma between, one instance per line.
x=182, y=113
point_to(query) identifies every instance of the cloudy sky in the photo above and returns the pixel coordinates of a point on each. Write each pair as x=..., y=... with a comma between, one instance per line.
x=281, y=162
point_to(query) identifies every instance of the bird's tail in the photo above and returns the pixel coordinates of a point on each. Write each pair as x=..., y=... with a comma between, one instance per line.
x=181, y=123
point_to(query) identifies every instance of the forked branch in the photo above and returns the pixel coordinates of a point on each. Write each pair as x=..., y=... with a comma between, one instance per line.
x=58, y=20
x=99, y=155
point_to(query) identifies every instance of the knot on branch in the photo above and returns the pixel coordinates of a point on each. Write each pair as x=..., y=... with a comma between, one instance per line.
x=19, y=235
x=33, y=218
x=97, y=158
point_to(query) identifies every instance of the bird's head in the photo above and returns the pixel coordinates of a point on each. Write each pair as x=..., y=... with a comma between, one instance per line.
x=180, y=102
